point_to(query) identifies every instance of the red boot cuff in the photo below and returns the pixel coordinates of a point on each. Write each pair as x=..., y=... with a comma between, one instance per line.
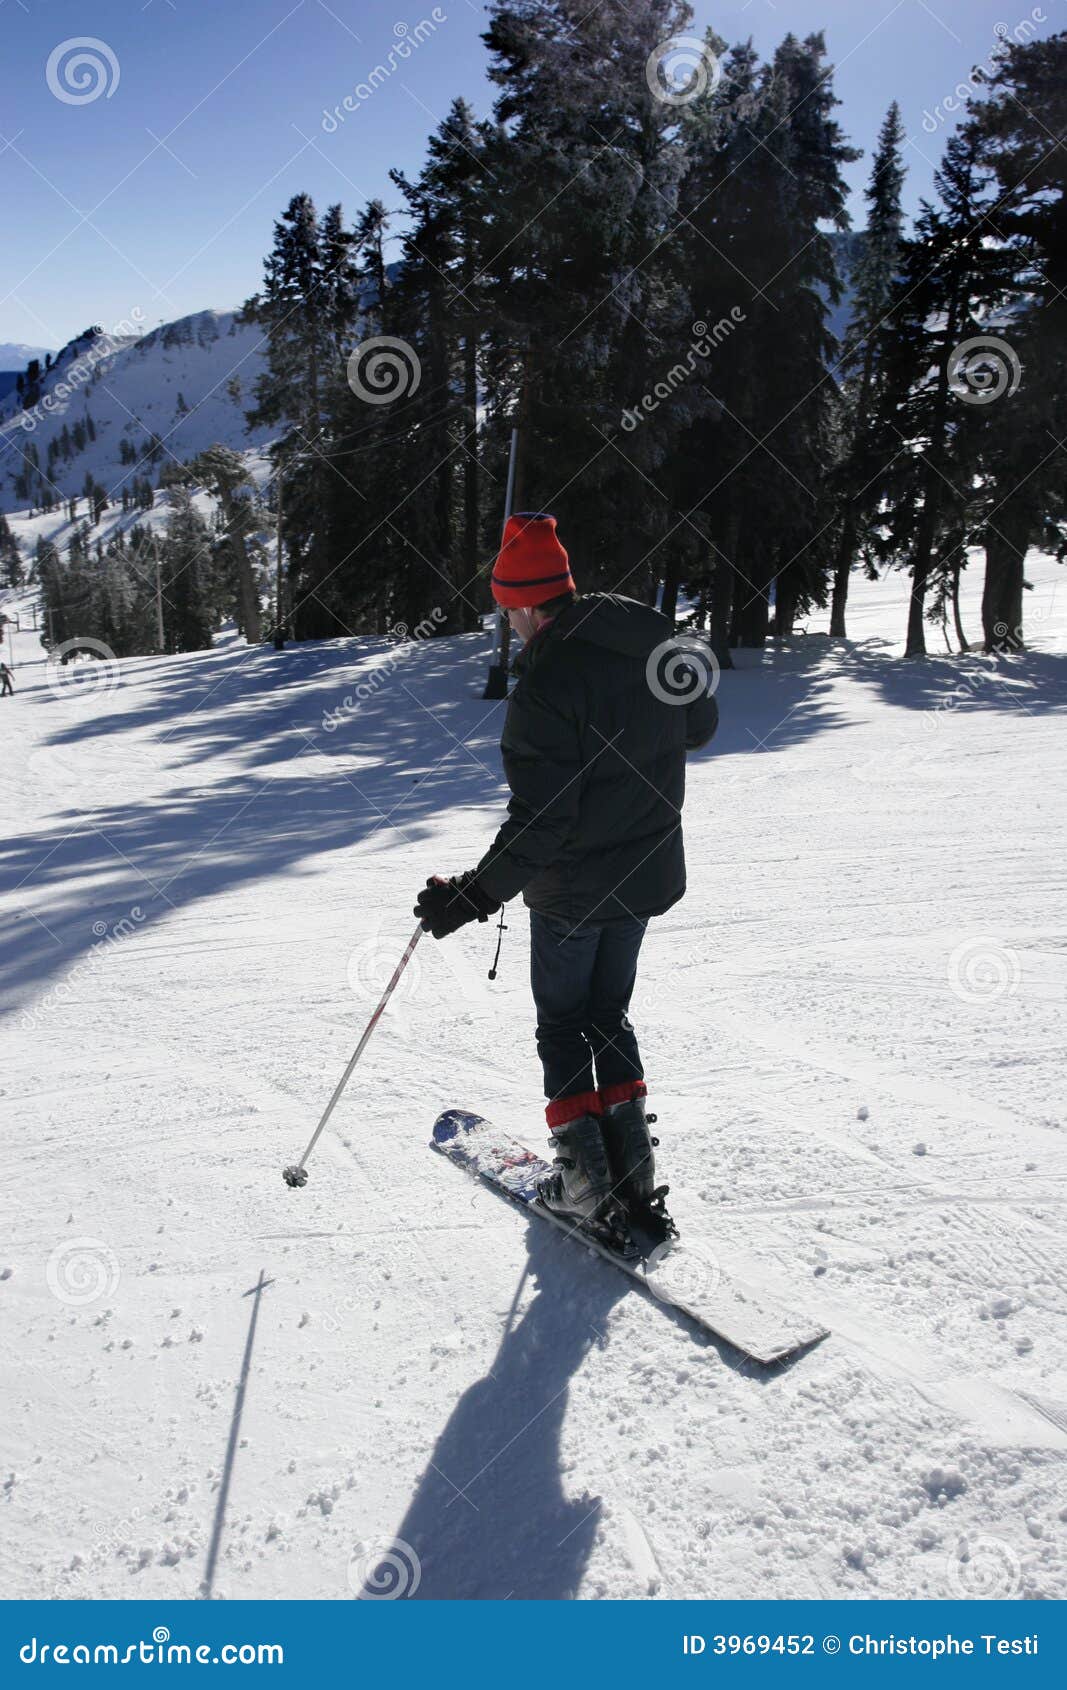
x=564, y=1109
x=622, y=1093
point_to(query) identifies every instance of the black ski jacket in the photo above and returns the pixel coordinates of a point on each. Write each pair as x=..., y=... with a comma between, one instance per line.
x=594, y=754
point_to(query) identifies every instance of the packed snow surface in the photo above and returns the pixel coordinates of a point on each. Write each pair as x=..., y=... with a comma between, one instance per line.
x=853, y=1033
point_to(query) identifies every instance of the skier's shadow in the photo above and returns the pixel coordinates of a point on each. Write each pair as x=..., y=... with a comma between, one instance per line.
x=490, y=1518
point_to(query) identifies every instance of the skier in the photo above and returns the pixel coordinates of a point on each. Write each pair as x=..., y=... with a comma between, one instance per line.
x=594, y=747
x=7, y=680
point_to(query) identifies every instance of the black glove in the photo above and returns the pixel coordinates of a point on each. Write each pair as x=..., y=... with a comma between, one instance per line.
x=445, y=905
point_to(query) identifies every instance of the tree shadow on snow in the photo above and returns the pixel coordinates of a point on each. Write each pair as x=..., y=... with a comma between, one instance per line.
x=1033, y=682
x=419, y=741
x=490, y=1518
x=302, y=774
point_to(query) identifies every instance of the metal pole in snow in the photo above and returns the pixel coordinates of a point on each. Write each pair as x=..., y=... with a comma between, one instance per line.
x=159, y=606
x=497, y=684
x=279, y=576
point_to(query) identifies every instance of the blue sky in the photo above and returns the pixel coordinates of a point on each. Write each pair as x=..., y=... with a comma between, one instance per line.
x=161, y=196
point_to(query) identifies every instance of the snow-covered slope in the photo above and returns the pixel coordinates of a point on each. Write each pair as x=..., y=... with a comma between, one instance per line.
x=188, y=382
x=853, y=1034
x=56, y=526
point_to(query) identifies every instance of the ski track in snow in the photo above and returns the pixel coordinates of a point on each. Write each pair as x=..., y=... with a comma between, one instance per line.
x=853, y=1034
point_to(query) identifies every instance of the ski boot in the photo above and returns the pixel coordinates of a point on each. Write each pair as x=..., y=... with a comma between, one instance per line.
x=580, y=1188
x=629, y=1145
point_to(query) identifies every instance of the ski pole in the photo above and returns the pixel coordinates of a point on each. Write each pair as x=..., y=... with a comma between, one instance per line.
x=296, y=1174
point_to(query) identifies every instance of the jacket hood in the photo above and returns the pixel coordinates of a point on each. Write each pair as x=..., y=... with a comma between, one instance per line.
x=620, y=624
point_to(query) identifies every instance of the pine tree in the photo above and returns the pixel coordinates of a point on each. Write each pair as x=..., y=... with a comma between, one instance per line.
x=29, y=473
x=117, y=612
x=1020, y=131
x=438, y=288
x=192, y=597
x=347, y=585
x=764, y=175
x=10, y=556
x=48, y=570
x=225, y=473
x=555, y=265
x=861, y=355
x=371, y=271
x=951, y=276
x=309, y=283
x=584, y=165
x=337, y=287
x=290, y=311
x=802, y=404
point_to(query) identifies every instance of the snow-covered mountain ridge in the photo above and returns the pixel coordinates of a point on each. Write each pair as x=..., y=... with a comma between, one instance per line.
x=187, y=383
x=15, y=354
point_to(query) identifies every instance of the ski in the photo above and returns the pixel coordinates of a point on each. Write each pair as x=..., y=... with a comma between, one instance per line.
x=678, y=1274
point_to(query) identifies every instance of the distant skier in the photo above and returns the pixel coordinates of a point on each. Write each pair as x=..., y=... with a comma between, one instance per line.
x=594, y=747
x=7, y=680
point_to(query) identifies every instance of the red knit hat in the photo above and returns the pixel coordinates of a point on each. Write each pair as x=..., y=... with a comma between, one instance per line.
x=531, y=565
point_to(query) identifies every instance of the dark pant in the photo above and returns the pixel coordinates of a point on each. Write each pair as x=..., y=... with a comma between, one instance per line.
x=582, y=982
